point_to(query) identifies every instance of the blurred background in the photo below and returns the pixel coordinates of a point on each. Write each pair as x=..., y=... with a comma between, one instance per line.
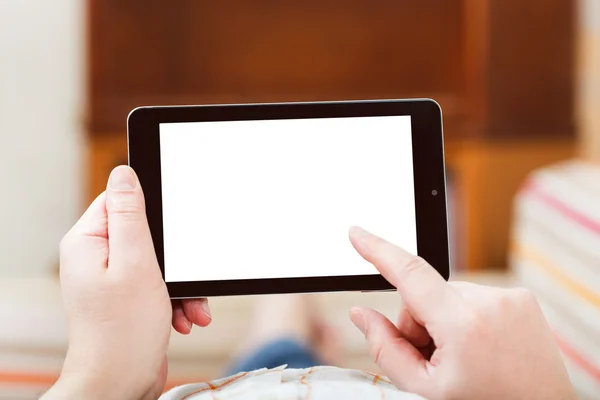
x=518, y=82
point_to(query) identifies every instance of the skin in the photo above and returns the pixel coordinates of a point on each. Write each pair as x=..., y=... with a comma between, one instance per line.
x=458, y=340
x=117, y=304
x=451, y=340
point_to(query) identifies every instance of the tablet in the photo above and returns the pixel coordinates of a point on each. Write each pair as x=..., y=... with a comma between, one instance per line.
x=258, y=198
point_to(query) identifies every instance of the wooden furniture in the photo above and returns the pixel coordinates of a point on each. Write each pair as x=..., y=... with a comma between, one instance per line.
x=501, y=69
x=588, y=73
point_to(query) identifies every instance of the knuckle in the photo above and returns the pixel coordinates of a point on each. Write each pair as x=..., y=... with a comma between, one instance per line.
x=128, y=208
x=502, y=302
x=67, y=249
x=524, y=297
x=377, y=351
x=376, y=346
x=64, y=244
x=67, y=244
x=414, y=265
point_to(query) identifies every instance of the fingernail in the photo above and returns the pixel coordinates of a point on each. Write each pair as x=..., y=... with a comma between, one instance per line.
x=206, y=309
x=358, y=319
x=122, y=178
x=358, y=232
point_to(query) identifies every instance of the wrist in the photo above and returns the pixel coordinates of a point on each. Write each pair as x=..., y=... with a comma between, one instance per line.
x=92, y=382
x=77, y=387
x=85, y=380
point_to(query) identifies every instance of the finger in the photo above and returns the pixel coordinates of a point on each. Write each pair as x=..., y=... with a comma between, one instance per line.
x=411, y=330
x=424, y=291
x=180, y=322
x=87, y=240
x=128, y=233
x=399, y=360
x=93, y=222
x=197, y=311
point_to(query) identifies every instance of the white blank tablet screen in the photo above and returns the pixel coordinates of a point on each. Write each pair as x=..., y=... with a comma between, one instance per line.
x=275, y=198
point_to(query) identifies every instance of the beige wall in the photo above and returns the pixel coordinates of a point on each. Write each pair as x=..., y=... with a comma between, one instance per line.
x=41, y=95
x=589, y=78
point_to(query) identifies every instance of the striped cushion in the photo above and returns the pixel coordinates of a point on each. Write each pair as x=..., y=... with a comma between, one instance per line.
x=556, y=253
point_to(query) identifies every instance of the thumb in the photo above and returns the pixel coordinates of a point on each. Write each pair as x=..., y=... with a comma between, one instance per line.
x=129, y=239
x=398, y=359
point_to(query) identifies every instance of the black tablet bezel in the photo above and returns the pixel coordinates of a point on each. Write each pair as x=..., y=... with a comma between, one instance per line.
x=429, y=177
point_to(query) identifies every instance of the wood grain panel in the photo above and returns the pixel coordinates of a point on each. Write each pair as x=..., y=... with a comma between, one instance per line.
x=322, y=47
x=236, y=51
x=531, y=67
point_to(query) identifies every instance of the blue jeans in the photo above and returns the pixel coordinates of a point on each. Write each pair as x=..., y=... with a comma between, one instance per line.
x=273, y=354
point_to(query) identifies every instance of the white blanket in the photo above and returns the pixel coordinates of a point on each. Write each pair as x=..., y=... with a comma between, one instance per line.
x=315, y=383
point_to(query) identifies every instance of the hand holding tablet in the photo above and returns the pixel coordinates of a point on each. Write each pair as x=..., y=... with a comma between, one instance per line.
x=254, y=199
x=119, y=313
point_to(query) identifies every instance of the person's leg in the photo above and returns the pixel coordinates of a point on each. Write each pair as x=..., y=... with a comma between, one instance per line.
x=286, y=329
x=284, y=351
